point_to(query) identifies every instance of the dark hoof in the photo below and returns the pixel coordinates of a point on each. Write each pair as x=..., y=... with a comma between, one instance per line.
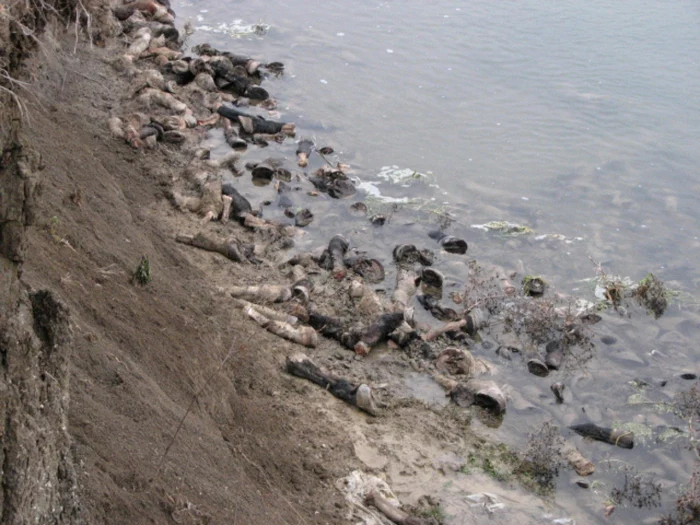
x=359, y=208
x=256, y=93
x=534, y=286
x=341, y=188
x=558, y=390
x=432, y=278
x=454, y=245
x=303, y=218
x=377, y=220
x=555, y=355
x=537, y=367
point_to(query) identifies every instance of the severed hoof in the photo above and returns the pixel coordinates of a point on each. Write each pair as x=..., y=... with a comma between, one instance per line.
x=558, y=391
x=534, y=286
x=449, y=243
x=433, y=279
x=476, y=319
x=455, y=361
x=370, y=269
x=485, y=394
x=555, y=355
x=365, y=400
x=454, y=245
x=537, y=367
x=256, y=93
x=409, y=254
x=303, y=218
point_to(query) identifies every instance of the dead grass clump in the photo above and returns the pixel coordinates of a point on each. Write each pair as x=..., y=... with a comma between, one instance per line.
x=638, y=490
x=687, y=406
x=651, y=294
x=687, y=511
x=539, y=464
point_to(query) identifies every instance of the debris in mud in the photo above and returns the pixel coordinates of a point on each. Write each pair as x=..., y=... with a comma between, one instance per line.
x=687, y=511
x=504, y=227
x=534, y=286
x=236, y=29
x=371, y=502
x=638, y=490
x=651, y=294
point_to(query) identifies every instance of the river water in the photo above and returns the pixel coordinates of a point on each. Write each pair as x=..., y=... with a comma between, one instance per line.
x=573, y=118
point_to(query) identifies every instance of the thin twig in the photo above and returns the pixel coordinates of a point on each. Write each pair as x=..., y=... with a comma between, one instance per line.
x=195, y=398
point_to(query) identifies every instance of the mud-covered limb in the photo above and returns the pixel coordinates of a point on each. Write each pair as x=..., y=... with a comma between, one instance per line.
x=253, y=124
x=578, y=462
x=303, y=335
x=366, y=300
x=240, y=206
x=268, y=312
x=226, y=209
x=359, y=340
x=270, y=293
x=229, y=249
x=395, y=514
x=337, y=247
x=621, y=438
x=407, y=282
x=378, y=332
x=334, y=329
x=447, y=327
x=304, y=149
x=300, y=365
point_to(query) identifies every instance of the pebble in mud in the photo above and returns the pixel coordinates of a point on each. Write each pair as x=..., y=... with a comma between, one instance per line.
x=608, y=340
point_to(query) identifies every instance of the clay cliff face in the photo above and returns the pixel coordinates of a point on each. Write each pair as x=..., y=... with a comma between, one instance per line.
x=37, y=476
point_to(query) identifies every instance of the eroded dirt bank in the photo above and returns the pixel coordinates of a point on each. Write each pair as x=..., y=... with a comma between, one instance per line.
x=97, y=373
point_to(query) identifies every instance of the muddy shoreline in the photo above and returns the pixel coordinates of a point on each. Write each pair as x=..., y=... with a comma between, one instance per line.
x=384, y=332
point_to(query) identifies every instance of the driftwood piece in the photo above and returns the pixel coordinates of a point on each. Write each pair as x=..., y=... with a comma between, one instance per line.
x=621, y=438
x=230, y=249
x=358, y=395
x=395, y=514
x=303, y=335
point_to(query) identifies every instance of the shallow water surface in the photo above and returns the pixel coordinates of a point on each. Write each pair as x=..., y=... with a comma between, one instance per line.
x=571, y=118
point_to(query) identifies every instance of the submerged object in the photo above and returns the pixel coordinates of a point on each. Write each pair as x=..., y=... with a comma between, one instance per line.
x=449, y=243
x=620, y=438
x=252, y=124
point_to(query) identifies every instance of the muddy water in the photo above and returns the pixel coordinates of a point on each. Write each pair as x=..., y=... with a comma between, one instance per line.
x=572, y=118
